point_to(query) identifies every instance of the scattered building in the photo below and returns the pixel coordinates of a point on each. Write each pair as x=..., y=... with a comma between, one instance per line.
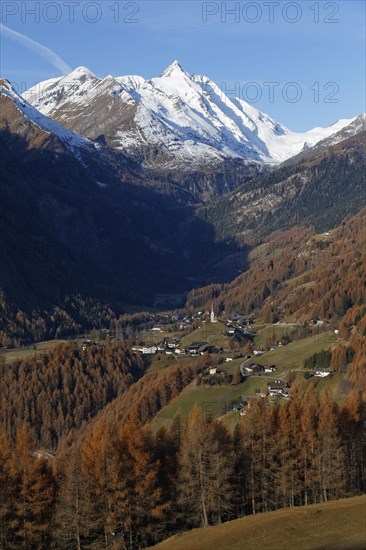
x=254, y=368
x=41, y=453
x=171, y=343
x=196, y=348
x=321, y=373
x=87, y=343
x=271, y=368
x=276, y=387
x=146, y=350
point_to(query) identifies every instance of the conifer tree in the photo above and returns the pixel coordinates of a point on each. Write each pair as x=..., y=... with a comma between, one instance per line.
x=34, y=493
x=7, y=491
x=205, y=471
x=309, y=444
x=331, y=452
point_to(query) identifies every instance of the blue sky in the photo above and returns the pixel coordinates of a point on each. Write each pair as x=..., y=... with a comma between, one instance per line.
x=310, y=55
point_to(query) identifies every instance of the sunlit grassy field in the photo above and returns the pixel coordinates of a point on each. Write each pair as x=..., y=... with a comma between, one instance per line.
x=213, y=333
x=274, y=331
x=336, y=525
x=31, y=351
x=293, y=355
x=218, y=400
x=212, y=400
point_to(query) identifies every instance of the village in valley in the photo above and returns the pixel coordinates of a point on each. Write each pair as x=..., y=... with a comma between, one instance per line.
x=242, y=359
x=239, y=358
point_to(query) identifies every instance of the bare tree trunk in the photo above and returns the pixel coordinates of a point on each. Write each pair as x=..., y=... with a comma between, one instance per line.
x=202, y=489
x=204, y=511
x=252, y=483
x=305, y=477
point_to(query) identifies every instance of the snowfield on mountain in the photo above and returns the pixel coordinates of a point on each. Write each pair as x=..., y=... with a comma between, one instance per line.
x=177, y=120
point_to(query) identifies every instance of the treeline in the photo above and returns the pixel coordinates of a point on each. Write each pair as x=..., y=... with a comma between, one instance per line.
x=152, y=392
x=319, y=360
x=59, y=391
x=337, y=359
x=126, y=487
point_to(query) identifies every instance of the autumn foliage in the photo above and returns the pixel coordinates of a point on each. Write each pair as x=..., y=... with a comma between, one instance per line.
x=319, y=276
x=60, y=391
x=126, y=487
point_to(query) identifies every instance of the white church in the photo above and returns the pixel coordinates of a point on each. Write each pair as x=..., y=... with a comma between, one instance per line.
x=213, y=318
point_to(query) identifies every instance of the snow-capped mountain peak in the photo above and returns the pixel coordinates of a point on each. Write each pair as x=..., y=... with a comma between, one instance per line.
x=80, y=72
x=174, y=67
x=175, y=120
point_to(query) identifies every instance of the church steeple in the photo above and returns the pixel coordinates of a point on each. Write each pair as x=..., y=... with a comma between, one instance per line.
x=212, y=315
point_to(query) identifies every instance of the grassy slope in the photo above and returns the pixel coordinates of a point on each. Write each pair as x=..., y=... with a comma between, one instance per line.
x=28, y=352
x=161, y=361
x=337, y=525
x=292, y=356
x=150, y=337
x=211, y=399
x=213, y=333
x=272, y=330
x=217, y=399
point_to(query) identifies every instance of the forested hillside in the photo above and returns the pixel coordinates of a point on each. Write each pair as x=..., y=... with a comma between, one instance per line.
x=319, y=190
x=126, y=487
x=59, y=392
x=299, y=272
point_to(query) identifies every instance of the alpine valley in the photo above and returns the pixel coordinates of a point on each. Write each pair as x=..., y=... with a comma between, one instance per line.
x=120, y=177
x=182, y=320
